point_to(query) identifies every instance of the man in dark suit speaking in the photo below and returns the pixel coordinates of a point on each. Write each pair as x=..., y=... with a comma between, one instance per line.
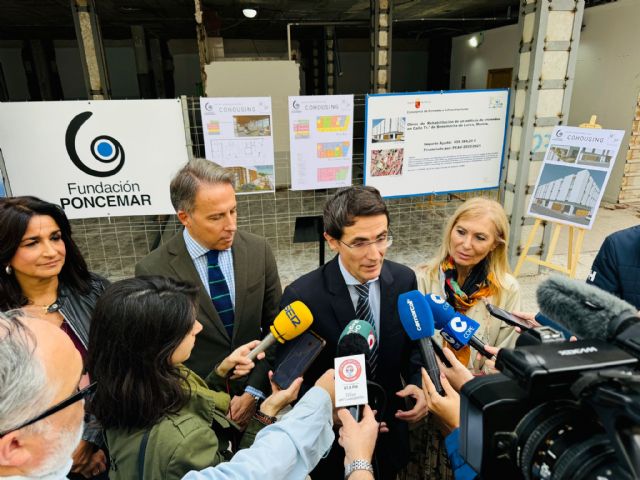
x=236, y=272
x=359, y=284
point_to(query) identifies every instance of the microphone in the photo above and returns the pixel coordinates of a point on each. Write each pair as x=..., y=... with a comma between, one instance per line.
x=294, y=319
x=417, y=321
x=357, y=329
x=455, y=328
x=356, y=338
x=590, y=312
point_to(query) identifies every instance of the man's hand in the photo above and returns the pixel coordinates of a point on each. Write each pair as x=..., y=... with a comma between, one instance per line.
x=238, y=361
x=447, y=408
x=87, y=462
x=280, y=398
x=419, y=411
x=358, y=439
x=458, y=374
x=242, y=408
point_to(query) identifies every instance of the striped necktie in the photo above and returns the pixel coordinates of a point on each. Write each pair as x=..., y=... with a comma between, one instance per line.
x=219, y=292
x=363, y=312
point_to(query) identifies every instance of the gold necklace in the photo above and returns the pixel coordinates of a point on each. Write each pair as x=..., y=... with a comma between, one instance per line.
x=51, y=308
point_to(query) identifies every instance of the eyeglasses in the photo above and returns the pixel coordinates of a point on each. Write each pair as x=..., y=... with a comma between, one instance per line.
x=380, y=243
x=76, y=397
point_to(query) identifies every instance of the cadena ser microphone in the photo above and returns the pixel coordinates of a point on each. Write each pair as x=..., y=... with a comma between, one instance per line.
x=590, y=312
x=455, y=328
x=417, y=321
x=294, y=319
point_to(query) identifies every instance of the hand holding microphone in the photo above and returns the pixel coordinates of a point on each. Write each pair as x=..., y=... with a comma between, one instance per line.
x=239, y=361
x=417, y=320
x=294, y=319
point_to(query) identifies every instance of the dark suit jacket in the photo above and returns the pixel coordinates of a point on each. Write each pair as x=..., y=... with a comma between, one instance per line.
x=257, y=295
x=325, y=292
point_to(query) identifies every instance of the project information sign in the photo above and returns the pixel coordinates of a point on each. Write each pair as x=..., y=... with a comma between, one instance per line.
x=238, y=135
x=574, y=175
x=95, y=159
x=320, y=141
x=424, y=143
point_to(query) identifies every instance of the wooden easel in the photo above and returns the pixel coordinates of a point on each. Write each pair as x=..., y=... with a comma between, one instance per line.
x=574, y=247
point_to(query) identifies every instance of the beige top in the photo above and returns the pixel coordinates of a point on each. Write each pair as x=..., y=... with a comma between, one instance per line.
x=492, y=331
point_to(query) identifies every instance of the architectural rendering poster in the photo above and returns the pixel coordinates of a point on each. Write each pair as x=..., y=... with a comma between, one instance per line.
x=321, y=141
x=95, y=159
x=238, y=135
x=436, y=142
x=574, y=174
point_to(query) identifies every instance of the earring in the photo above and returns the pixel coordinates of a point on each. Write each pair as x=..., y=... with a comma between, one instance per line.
x=8, y=269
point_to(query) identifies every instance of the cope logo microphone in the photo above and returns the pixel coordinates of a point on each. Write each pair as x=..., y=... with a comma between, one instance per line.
x=104, y=148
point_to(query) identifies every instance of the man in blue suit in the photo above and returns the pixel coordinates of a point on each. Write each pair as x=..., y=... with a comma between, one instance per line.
x=359, y=283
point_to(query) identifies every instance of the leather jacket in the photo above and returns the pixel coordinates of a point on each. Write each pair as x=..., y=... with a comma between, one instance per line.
x=77, y=309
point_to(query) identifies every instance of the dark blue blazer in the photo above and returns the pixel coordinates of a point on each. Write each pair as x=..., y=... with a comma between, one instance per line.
x=325, y=292
x=616, y=268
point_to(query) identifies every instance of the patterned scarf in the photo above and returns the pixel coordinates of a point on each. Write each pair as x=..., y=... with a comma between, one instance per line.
x=479, y=284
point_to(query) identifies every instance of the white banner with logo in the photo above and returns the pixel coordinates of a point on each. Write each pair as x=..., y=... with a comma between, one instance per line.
x=435, y=142
x=321, y=141
x=238, y=135
x=95, y=159
x=574, y=174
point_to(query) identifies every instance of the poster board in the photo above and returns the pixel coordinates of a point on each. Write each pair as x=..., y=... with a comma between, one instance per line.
x=94, y=158
x=574, y=173
x=238, y=135
x=321, y=141
x=435, y=142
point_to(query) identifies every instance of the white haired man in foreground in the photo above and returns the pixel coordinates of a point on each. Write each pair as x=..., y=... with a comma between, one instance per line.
x=41, y=407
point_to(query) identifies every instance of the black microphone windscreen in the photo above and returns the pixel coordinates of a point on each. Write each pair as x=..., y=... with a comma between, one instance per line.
x=584, y=309
x=352, y=344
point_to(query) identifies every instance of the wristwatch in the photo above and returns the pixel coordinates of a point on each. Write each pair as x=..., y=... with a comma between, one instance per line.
x=357, y=465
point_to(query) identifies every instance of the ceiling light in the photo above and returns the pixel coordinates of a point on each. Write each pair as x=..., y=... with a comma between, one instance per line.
x=249, y=12
x=476, y=40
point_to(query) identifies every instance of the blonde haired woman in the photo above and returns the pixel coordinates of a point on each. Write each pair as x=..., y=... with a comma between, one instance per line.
x=470, y=268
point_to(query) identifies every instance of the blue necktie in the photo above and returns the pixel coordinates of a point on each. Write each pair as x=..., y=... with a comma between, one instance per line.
x=363, y=312
x=219, y=292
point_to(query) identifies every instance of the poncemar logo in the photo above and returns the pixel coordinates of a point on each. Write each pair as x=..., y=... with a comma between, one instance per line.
x=349, y=370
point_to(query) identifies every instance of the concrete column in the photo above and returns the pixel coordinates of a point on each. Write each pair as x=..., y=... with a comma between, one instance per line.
x=330, y=70
x=155, y=51
x=201, y=37
x=145, y=82
x=89, y=37
x=381, y=34
x=39, y=61
x=540, y=99
x=315, y=66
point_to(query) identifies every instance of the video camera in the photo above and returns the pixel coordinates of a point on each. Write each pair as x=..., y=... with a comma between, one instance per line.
x=560, y=410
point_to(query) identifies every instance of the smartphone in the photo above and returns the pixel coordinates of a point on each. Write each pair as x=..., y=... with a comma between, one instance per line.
x=297, y=355
x=508, y=317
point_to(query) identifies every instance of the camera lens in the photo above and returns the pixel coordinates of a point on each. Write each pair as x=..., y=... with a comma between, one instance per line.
x=546, y=432
x=594, y=458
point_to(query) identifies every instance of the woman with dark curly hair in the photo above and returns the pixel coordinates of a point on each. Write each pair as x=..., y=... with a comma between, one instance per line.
x=161, y=419
x=43, y=273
